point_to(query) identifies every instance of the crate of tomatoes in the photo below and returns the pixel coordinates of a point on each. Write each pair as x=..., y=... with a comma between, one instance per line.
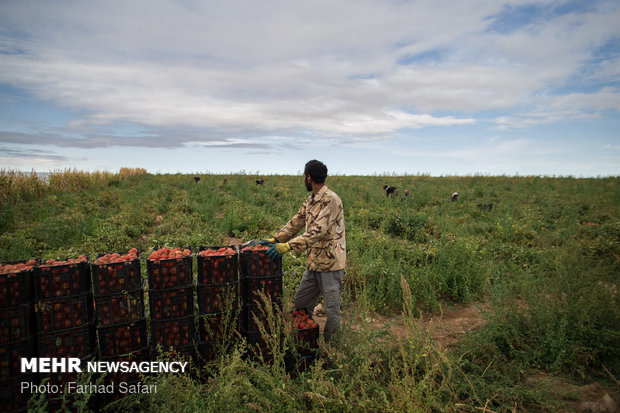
x=63, y=312
x=11, y=355
x=12, y=398
x=252, y=287
x=122, y=338
x=171, y=303
x=254, y=262
x=75, y=342
x=307, y=330
x=217, y=298
x=16, y=282
x=124, y=307
x=175, y=332
x=61, y=278
x=16, y=323
x=214, y=327
x=130, y=377
x=169, y=268
x=217, y=265
x=116, y=272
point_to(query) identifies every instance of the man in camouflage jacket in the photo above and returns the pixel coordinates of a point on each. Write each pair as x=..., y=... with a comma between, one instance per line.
x=322, y=216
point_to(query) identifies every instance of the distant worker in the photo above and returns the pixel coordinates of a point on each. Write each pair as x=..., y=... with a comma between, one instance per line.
x=455, y=196
x=406, y=194
x=322, y=215
x=197, y=179
x=260, y=182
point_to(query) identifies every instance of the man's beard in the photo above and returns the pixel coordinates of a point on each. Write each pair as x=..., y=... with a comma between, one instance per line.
x=308, y=185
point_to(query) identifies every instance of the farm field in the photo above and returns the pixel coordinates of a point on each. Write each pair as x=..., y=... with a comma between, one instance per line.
x=541, y=266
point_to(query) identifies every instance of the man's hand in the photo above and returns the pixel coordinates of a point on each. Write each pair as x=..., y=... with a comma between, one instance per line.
x=268, y=241
x=278, y=250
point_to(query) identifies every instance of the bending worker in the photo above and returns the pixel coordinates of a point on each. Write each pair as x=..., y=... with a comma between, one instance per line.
x=322, y=216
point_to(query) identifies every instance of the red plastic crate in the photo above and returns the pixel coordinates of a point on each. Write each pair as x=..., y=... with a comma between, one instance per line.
x=218, y=269
x=217, y=298
x=258, y=264
x=122, y=339
x=62, y=280
x=171, y=303
x=119, y=308
x=78, y=342
x=16, y=288
x=175, y=332
x=11, y=355
x=169, y=273
x=63, y=313
x=16, y=323
x=117, y=277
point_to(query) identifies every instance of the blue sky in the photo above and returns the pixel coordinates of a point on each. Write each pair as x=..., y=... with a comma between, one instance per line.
x=367, y=86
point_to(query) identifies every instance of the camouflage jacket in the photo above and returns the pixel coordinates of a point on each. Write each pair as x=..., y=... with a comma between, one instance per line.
x=324, y=240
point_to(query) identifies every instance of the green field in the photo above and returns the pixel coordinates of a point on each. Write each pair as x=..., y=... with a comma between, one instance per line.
x=545, y=261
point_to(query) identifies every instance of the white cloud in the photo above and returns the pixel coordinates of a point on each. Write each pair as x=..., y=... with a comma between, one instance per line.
x=241, y=69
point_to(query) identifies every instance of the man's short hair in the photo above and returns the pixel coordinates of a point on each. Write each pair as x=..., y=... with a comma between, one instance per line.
x=317, y=171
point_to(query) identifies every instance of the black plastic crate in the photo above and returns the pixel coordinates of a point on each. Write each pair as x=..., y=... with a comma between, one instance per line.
x=119, y=308
x=16, y=323
x=218, y=269
x=16, y=287
x=307, y=337
x=169, y=273
x=252, y=286
x=55, y=399
x=171, y=303
x=217, y=298
x=116, y=277
x=206, y=351
x=256, y=263
x=174, y=332
x=62, y=313
x=257, y=346
x=214, y=327
x=11, y=355
x=252, y=317
x=12, y=399
x=78, y=342
x=53, y=281
x=177, y=353
x=130, y=378
x=122, y=339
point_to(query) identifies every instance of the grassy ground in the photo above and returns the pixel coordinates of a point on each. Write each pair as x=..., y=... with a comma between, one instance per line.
x=545, y=259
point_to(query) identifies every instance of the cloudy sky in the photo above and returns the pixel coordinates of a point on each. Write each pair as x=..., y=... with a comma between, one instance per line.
x=367, y=86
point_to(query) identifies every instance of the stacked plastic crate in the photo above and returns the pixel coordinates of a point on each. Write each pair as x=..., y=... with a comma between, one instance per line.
x=218, y=297
x=17, y=333
x=64, y=315
x=119, y=306
x=259, y=275
x=171, y=300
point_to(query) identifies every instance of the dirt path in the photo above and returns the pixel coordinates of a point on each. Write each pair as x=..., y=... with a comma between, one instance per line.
x=446, y=329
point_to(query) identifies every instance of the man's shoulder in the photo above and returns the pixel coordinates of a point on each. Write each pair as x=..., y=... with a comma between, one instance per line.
x=331, y=195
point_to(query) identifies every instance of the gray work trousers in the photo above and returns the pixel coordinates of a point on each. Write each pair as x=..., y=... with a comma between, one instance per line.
x=312, y=285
